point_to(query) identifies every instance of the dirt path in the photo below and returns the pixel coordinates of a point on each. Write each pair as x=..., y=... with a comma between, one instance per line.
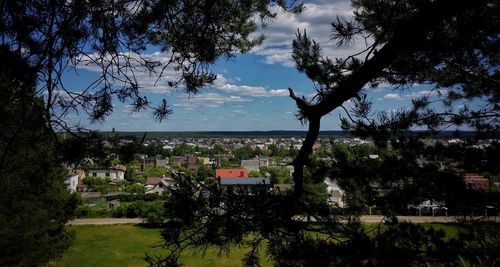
x=366, y=219
x=101, y=221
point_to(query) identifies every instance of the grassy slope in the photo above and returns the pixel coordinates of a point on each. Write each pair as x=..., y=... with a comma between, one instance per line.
x=125, y=245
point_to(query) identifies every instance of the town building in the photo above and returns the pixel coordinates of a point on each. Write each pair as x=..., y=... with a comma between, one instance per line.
x=231, y=173
x=117, y=173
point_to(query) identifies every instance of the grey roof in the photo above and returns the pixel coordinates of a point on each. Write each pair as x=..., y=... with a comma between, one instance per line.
x=245, y=181
x=250, y=162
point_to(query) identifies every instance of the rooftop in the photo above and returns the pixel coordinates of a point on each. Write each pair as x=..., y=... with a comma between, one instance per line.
x=246, y=181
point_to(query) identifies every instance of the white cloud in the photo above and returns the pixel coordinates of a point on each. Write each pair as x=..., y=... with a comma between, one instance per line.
x=315, y=19
x=428, y=93
x=256, y=91
x=247, y=90
x=61, y=95
x=206, y=100
x=392, y=97
x=272, y=56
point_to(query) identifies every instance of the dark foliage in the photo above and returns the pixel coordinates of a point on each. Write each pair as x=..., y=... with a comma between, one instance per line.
x=131, y=198
x=34, y=204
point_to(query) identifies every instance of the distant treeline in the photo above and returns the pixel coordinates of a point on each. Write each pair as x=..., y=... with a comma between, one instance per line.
x=271, y=134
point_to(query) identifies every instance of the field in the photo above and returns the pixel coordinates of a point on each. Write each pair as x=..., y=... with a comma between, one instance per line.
x=125, y=245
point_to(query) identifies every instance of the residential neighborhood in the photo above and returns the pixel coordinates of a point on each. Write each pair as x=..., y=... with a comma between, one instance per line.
x=265, y=162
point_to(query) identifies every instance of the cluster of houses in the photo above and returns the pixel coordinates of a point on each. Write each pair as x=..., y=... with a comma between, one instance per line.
x=74, y=179
x=229, y=178
x=238, y=177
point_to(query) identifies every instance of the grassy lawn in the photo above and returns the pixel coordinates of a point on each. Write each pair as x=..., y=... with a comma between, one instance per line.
x=125, y=245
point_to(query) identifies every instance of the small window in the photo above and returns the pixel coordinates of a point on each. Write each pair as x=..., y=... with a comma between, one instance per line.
x=94, y=174
x=107, y=174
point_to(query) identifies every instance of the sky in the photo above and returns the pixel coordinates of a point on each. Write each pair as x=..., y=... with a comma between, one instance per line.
x=250, y=93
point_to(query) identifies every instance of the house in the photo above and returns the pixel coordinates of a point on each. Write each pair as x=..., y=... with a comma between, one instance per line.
x=335, y=193
x=187, y=160
x=153, y=181
x=162, y=163
x=252, y=165
x=231, y=173
x=266, y=161
x=476, y=181
x=117, y=173
x=74, y=179
x=156, y=161
x=71, y=182
x=158, y=185
x=247, y=183
x=122, y=168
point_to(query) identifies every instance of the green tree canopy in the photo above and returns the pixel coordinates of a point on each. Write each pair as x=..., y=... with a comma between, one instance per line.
x=34, y=202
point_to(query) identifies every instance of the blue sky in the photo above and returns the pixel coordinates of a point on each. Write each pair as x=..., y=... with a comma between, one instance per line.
x=250, y=91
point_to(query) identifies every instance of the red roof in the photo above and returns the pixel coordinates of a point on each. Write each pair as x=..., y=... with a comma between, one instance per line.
x=153, y=180
x=231, y=173
x=476, y=181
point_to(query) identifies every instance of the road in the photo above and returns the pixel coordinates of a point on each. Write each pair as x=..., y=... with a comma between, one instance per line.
x=102, y=221
x=366, y=219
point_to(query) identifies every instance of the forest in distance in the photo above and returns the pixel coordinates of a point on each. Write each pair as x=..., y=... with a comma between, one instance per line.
x=276, y=134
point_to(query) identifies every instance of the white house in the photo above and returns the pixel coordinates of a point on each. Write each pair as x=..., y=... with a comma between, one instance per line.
x=117, y=173
x=71, y=182
x=335, y=193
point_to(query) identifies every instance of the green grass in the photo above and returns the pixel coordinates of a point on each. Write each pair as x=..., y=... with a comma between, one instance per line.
x=125, y=245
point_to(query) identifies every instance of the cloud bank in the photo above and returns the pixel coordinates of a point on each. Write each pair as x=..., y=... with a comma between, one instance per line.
x=315, y=19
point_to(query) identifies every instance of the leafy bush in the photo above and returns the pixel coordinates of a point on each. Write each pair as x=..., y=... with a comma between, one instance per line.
x=88, y=212
x=132, y=198
x=153, y=214
x=150, y=211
